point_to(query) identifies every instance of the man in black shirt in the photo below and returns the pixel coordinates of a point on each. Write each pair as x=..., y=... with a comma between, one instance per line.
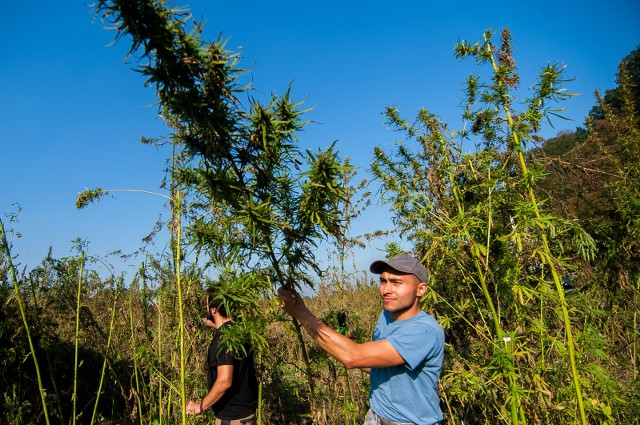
x=233, y=387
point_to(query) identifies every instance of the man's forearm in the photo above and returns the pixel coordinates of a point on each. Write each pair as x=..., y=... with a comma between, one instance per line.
x=220, y=386
x=366, y=355
x=215, y=394
x=335, y=344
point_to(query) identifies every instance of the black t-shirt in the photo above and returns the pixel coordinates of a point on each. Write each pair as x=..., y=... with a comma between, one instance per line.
x=241, y=400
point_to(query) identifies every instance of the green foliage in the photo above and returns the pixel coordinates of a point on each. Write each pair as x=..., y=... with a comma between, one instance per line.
x=252, y=190
x=88, y=196
x=242, y=295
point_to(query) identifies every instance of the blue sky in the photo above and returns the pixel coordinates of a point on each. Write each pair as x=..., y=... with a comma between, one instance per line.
x=72, y=111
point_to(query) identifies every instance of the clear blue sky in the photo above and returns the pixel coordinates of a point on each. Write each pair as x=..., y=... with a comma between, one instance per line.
x=72, y=111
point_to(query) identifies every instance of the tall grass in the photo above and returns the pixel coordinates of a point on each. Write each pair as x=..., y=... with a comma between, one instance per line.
x=6, y=251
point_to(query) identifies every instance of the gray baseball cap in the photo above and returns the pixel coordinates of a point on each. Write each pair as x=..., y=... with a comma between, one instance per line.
x=403, y=263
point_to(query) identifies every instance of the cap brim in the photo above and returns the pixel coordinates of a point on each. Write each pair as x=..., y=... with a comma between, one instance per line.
x=378, y=266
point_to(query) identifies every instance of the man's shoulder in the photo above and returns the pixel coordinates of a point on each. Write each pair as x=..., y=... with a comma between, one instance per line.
x=421, y=323
x=428, y=320
x=421, y=317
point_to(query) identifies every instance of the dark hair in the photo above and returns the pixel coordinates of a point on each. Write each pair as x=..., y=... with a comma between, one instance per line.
x=215, y=302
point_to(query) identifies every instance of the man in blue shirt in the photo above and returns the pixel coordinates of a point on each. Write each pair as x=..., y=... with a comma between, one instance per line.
x=405, y=355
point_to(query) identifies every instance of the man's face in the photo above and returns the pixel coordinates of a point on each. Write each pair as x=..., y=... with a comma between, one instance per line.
x=400, y=292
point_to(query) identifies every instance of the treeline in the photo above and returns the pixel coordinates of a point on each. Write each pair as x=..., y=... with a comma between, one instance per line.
x=531, y=248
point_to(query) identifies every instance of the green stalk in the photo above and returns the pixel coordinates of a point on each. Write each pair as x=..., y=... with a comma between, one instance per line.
x=514, y=401
x=546, y=257
x=183, y=396
x=176, y=217
x=135, y=358
x=350, y=399
x=541, y=332
x=514, y=397
x=481, y=266
x=106, y=354
x=560, y=292
x=487, y=296
x=635, y=330
x=171, y=389
x=77, y=338
x=160, y=360
x=259, y=413
x=16, y=287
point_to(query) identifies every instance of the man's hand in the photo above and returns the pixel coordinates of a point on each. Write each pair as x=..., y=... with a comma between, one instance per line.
x=207, y=322
x=193, y=408
x=293, y=303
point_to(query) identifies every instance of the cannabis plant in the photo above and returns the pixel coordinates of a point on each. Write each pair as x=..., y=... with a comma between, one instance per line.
x=498, y=263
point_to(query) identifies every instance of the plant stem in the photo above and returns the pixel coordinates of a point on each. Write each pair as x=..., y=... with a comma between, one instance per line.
x=259, y=413
x=177, y=224
x=135, y=357
x=56, y=393
x=77, y=338
x=635, y=330
x=176, y=233
x=160, y=359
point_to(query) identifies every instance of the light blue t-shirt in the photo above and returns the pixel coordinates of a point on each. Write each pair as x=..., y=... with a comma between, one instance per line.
x=409, y=392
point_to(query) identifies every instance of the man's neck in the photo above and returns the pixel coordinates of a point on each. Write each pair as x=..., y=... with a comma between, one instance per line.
x=220, y=320
x=407, y=314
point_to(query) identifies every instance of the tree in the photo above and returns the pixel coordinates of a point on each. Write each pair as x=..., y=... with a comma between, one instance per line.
x=615, y=98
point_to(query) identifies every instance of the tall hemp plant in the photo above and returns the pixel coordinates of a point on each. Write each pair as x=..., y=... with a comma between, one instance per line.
x=496, y=260
x=258, y=204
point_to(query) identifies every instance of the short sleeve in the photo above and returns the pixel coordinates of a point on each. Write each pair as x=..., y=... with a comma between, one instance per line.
x=416, y=343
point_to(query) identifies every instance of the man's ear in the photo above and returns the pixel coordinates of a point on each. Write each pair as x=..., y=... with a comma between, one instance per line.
x=422, y=289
